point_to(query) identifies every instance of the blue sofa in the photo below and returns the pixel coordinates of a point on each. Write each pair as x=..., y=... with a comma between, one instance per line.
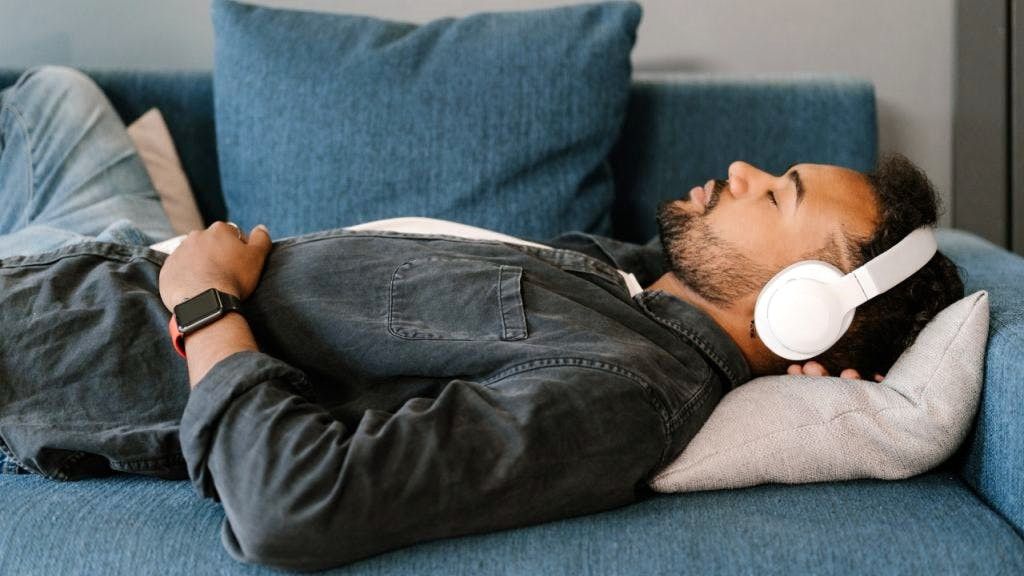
x=964, y=517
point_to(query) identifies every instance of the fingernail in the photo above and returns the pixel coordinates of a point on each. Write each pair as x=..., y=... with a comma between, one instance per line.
x=265, y=229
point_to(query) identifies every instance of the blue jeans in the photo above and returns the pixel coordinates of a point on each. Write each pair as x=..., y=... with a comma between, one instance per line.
x=68, y=170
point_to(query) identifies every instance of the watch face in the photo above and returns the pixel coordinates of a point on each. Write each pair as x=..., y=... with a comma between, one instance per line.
x=194, y=310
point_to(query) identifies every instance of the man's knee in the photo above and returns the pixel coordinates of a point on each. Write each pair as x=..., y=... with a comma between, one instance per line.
x=54, y=77
x=56, y=88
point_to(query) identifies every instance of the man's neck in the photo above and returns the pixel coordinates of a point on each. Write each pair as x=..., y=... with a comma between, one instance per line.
x=735, y=320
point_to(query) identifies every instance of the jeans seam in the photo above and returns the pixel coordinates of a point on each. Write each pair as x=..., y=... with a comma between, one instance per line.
x=689, y=334
x=517, y=315
x=691, y=403
x=86, y=248
x=501, y=307
x=149, y=463
x=97, y=171
x=23, y=124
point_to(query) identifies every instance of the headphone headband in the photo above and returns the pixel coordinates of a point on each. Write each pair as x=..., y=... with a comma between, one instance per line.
x=888, y=269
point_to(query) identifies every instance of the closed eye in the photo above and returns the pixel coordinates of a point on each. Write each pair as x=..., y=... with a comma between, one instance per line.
x=771, y=198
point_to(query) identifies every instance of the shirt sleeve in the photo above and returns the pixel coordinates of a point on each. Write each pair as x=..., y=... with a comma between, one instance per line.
x=300, y=490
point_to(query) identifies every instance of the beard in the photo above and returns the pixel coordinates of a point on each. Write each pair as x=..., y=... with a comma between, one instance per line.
x=711, y=266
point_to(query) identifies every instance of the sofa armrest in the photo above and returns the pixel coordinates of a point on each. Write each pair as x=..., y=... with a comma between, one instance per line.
x=991, y=459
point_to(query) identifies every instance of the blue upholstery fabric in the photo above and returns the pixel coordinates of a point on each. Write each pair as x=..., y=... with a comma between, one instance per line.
x=682, y=130
x=930, y=524
x=327, y=120
x=926, y=524
x=660, y=155
x=992, y=458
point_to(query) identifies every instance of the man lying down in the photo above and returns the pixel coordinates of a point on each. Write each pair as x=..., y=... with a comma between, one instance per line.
x=357, y=390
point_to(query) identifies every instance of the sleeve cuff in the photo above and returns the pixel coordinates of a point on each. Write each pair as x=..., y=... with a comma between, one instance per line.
x=227, y=382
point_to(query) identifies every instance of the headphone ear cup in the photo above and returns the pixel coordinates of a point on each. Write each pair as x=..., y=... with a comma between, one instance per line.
x=797, y=314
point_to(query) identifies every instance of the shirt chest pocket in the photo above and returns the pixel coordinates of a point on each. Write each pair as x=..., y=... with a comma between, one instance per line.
x=439, y=298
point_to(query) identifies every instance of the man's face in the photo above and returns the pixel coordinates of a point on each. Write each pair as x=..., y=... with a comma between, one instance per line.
x=732, y=236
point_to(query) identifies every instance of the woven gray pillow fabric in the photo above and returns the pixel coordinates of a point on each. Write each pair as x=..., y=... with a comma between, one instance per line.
x=799, y=429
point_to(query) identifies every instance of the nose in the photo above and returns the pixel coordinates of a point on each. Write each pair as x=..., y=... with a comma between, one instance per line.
x=747, y=179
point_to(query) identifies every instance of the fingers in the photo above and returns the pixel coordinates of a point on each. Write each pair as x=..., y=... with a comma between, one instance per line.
x=238, y=231
x=813, y=368
x=224, y=229
x=260, y=237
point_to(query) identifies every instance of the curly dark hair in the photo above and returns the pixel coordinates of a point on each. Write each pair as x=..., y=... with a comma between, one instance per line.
x=886, y=325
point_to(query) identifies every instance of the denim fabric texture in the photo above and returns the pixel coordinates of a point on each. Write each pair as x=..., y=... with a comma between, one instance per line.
x=538, y=390
x=89, y=385
x=63, y=150
x=930, y=524
x=499, y=120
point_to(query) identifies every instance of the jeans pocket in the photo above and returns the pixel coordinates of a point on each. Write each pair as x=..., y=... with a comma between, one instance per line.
x=440, y=298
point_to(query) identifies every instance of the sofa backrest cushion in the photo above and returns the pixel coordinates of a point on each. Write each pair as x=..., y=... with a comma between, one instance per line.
x=500, y=120
x=683, y=129
x=660, y=153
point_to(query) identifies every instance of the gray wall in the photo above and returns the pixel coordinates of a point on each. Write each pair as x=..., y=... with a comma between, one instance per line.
x=906, y=47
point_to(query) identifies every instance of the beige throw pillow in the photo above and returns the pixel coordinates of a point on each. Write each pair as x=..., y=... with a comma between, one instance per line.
x=797, y=429
x=153, y=141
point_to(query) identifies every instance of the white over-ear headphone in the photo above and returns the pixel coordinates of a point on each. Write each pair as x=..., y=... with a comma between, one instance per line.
x=808, y=306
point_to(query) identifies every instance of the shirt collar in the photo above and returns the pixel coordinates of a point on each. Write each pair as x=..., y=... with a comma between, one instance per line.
x=608, y=255
x=696, y=326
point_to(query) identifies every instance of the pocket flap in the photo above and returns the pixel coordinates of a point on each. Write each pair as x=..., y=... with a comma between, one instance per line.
x=439, y=298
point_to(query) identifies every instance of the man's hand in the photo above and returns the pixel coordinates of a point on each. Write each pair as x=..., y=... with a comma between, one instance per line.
x=813, y=368
x=214, y=258
x=219, y=257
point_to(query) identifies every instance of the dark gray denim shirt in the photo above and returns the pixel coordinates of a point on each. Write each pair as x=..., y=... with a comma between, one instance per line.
x=408, y=387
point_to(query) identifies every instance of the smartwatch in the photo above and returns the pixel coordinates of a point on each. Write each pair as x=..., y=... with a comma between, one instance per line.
x=200, y=310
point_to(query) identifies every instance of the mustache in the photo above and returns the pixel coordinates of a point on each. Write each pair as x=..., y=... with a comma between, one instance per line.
x=716, y=192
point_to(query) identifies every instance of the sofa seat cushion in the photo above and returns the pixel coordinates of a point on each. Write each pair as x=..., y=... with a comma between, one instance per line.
x=929, y=524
